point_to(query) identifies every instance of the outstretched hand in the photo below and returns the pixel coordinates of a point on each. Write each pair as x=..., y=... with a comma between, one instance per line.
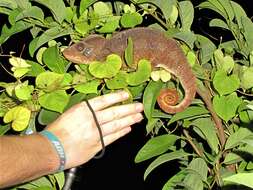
x=78, y=132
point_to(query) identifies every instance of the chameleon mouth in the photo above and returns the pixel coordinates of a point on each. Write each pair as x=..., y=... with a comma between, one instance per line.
x=71, y=56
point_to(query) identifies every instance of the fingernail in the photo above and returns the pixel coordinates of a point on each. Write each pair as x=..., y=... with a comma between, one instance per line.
x=139, y=107
x=139, y=117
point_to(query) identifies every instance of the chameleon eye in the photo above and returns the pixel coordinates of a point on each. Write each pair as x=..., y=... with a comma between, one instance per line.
x=87, y=51
x=80, y=46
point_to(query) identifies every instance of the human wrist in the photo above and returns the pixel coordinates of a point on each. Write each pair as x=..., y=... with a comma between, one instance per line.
x=58, y=147
x=48, y=153
x=36, y=156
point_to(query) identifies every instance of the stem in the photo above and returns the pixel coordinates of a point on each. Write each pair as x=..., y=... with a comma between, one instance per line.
x=245, y=94
x=7, y=70
x=189, y=139
x=152, y=14
x=217, y=176
x=206, y=96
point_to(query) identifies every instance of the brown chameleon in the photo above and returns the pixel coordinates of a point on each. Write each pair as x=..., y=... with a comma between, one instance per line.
x=149, y=44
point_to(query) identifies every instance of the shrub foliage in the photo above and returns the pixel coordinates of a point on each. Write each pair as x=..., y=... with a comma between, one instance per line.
x=211, y=141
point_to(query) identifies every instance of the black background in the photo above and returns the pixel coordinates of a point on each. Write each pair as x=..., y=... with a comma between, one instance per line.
x=117, y=170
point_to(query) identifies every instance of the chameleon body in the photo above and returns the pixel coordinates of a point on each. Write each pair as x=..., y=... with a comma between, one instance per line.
x=150, y=44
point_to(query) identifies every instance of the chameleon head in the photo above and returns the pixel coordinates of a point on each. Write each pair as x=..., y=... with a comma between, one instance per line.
x=86, y=50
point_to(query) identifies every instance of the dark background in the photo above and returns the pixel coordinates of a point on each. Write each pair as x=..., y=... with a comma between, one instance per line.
x=117, y=170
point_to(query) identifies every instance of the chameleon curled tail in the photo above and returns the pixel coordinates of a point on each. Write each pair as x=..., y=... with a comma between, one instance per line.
x=148, y=44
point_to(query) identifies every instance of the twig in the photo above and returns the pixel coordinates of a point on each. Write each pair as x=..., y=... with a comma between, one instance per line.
x=206, y=96
x=7, y=70
x=189, y=139
x=243, y=93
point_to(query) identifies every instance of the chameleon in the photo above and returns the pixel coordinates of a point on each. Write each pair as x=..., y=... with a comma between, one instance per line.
x=148, y=43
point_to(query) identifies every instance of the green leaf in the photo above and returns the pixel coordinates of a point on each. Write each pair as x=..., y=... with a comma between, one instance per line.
x=24, y=91
x=192, y=181
x=19, y=72
x=226, y=106
x=186, y=12
x=175, y=180
x=237, y=138
x=60, y=179
x=164, y=5
x=50, y=34
x=55, y=101
x=155, y=146
x=33, y=12
x=239, y=13
x=241, y=153
x=112, y=23
x=247, y=31
x=225, y=63
x=57, y=8
x=19, y=116
x=149, y=97
x=241, y=178
x=225, y=84
x=188, y=113
x=152, y=122
x=82, y=27
x=103, y=10
x=191, y=58
x=43, y=182
x=137, y=91
x=232, y=158
x=5, y=11
x=18, y=62
x=118, y=82
x=4, y=129
x=130, y=20
x=9, y=4
x=12, y=16
x=23, y=4
x=14, y=29
x=35, y=69
x=218, y=23
x=49, y=81
x=174, y=15
x=200, y=167
x=89, y=87
x=228, y=9
x=247, y=77
x=206, y=47
x=43, y=188
x=186, y=36
x=47, y=116
x=129, y=52
x=141, y=75
x=51, y=57
x=214, y=5
x=107, y=69
x=164, y=158
x=39, y=55
x=84, y=4
x=207, y=127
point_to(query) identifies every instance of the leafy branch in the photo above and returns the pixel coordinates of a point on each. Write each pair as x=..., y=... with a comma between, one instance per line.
x=206, y=140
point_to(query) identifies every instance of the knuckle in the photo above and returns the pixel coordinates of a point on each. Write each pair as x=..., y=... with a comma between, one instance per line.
x=114, y=113
x=115, y=125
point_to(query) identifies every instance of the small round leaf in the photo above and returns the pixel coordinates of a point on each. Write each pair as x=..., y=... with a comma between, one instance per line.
x=19, y=116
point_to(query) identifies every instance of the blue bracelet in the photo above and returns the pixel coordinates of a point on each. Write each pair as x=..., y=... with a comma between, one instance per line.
x=58, y=147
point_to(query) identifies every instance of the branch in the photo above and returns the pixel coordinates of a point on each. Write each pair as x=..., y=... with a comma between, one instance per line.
x=189, y=139
x=206, y=96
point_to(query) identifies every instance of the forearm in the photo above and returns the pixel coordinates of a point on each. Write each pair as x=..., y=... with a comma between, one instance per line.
x=25, y=158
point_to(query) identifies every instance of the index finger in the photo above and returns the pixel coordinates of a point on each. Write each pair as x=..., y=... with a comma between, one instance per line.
x=107, y=100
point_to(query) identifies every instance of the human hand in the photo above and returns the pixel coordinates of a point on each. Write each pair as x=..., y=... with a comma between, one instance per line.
x=77, y=130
